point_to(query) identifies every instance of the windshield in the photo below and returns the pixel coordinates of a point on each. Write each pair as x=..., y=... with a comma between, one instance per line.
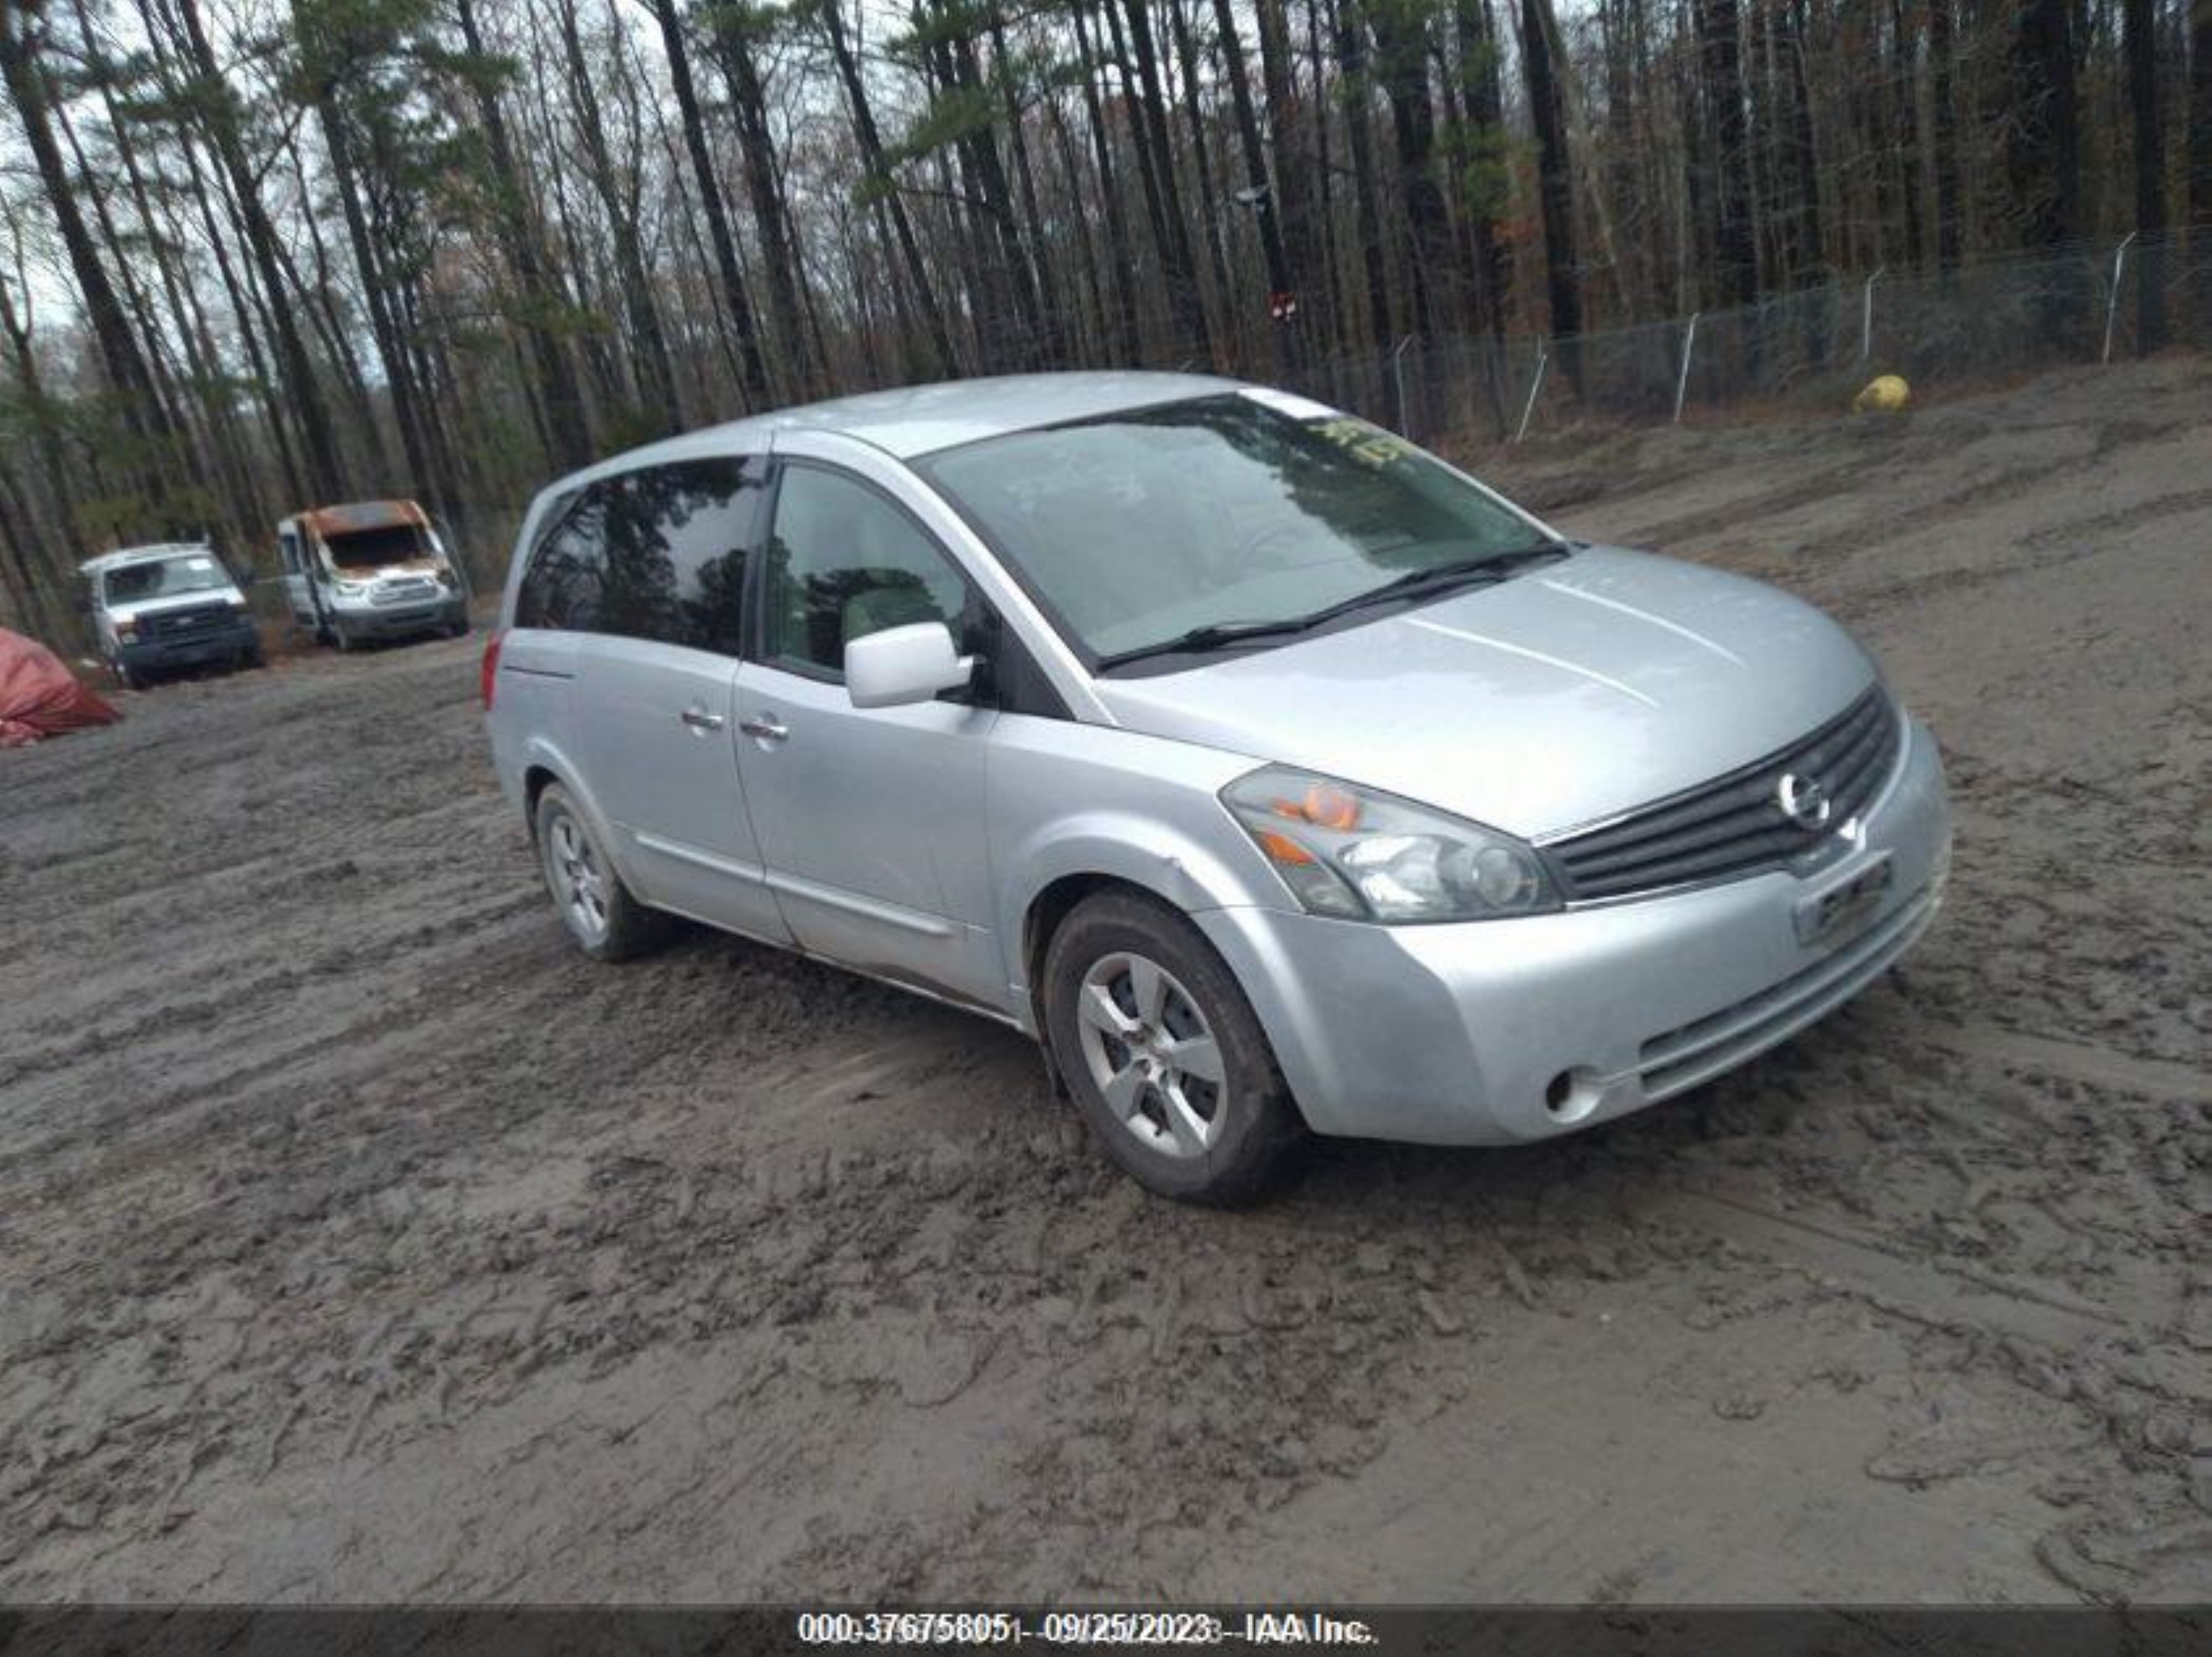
x=392, y=544
x=1137, y=529
x=194, y=572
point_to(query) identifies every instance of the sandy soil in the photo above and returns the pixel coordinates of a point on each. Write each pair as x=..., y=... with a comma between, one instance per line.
x=358, y=1241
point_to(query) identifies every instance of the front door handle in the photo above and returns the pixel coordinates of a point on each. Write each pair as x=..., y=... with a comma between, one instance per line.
x=700, y=719
x=763, y=728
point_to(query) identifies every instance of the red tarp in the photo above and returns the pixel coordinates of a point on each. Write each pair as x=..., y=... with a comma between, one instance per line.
x=39, y=697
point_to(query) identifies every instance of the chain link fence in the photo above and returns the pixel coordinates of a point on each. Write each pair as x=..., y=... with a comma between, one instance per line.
x=1816, y=346
x=1987, y=320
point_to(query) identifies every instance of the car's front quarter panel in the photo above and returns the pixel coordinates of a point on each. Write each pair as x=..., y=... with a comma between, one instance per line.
x=1087, y=800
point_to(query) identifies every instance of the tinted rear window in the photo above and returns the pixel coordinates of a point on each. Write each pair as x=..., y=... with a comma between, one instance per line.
x=658, y=554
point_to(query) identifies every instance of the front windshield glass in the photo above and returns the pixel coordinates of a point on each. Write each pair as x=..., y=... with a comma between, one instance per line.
x=193, y=571
x=1139, y=528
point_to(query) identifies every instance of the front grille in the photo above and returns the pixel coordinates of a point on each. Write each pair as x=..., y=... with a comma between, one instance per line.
x=1734, y=826
x=411, y=591
x=184, y=623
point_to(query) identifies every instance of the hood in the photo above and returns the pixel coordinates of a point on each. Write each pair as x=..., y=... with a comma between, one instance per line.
x=139, y=607
x=1576, y=691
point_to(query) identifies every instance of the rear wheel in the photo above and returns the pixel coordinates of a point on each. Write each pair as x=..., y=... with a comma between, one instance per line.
x=1162, y=1051
x=607, y=923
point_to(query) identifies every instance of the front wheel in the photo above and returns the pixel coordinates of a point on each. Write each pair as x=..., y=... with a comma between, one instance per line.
x=1163, y=1053
x=607, y=923
x=123, y=675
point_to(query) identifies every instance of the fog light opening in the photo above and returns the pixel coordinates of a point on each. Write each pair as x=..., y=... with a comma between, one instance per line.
x=1571, y=1095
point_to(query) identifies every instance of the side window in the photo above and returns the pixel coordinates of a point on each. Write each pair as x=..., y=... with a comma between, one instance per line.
x=676, y=541
x=844, y=562
x=561, y=587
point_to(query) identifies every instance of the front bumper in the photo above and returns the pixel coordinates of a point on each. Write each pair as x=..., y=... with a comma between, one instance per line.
x=230, y=644
x=1493, y=1032
x=403, y=621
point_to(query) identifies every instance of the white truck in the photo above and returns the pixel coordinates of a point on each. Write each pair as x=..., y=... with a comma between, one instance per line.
x=166, y=609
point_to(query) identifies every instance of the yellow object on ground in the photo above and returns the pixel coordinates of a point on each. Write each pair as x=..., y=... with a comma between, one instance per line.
x=1886, y=392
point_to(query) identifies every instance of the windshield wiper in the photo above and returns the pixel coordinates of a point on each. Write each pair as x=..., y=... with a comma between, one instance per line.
x=1466, y=572
x=1214, y=635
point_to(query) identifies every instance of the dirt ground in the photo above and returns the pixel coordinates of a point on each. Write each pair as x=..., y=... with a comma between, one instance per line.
x=359, y=1241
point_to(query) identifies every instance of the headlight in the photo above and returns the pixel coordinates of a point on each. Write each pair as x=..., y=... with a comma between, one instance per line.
x=1349, y=851
x=126, y=633
x=349, y=589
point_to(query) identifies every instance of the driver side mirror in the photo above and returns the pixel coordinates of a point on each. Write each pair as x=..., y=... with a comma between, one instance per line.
x=901, y=665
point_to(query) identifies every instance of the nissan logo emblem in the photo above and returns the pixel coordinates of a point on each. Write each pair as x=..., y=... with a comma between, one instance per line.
x=1804, y=800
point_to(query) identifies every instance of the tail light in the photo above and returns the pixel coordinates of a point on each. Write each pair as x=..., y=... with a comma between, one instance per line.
x=490, y=681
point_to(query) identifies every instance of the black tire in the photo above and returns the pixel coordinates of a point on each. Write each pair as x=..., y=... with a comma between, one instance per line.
x=1253, y=1120
x=123, y=676
x=628, y=929
x=458, y=629
x=344, y=640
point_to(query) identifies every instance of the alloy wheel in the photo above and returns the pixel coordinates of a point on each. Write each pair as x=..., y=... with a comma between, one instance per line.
x=1153, y=1055
x=580, y=883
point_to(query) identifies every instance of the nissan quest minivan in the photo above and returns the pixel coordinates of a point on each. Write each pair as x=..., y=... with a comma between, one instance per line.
x=1275, y=774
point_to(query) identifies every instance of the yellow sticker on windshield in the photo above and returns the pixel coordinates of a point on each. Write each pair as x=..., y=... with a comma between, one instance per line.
x=1369, y=445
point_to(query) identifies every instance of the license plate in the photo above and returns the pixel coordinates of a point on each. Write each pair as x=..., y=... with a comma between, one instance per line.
x=1836, y=913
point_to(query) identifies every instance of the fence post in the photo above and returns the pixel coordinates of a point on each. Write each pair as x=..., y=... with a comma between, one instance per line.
x=1682, y=380
x=2112, y=303
x=1866, y=313
x=1535, y=385
x=1398, y=380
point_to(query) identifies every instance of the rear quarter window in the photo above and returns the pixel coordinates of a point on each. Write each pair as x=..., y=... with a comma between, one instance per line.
x=560, y=586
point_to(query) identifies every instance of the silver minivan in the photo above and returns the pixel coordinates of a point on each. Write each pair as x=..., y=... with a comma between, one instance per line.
x=1275, y=774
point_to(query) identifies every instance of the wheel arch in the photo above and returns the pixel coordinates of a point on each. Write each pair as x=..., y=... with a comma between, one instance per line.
x=536, y=777
x=544, y=765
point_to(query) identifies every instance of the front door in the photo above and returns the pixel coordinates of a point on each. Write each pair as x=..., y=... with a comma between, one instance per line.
x=872, y=820
x=291, y=553
x=656, y=667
